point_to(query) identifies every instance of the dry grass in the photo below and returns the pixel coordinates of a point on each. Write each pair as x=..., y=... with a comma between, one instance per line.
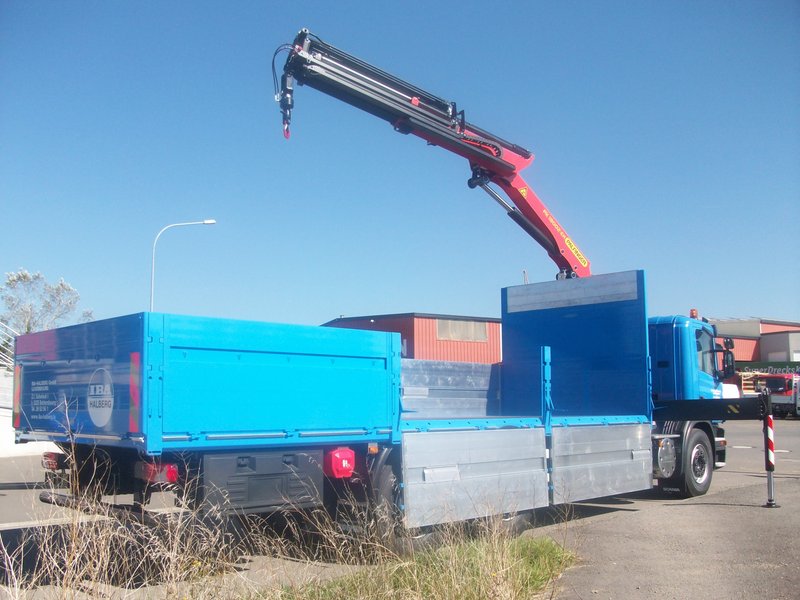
x=483, y=563
x=89, y=556
x=201, y=554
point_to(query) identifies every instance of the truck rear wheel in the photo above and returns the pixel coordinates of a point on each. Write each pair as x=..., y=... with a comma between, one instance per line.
x=388, y=519
x=90, y=473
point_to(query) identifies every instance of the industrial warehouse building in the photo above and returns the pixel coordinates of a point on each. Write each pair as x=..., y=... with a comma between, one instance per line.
x=436, y=337
x=760, y=344
x=763, y=344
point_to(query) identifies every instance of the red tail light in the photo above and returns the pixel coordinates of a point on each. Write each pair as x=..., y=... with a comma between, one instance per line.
x=54, y=461
x=339, y=463
x=171, y=472
x=135, y=410
x=157, y=472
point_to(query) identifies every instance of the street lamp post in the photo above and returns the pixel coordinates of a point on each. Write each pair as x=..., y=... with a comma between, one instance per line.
x=158, y=235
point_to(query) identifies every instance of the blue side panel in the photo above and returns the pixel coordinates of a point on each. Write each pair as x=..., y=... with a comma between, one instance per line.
x=161, y=382
x=597, y=331
x=665, y=350
x=82, y=382
x=230, y=383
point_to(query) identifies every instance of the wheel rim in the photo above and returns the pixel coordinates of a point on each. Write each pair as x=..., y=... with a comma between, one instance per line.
x=699, y=463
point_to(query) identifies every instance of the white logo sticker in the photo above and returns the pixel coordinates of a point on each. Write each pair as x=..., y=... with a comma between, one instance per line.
x=100, y=397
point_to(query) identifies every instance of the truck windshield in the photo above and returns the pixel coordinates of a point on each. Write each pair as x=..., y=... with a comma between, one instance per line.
x=775, y=384
x=706, y=357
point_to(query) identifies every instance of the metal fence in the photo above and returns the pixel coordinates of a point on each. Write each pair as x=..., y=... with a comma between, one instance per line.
x=7, y=336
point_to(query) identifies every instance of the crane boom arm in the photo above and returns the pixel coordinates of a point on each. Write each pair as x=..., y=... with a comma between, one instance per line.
x=411, y=110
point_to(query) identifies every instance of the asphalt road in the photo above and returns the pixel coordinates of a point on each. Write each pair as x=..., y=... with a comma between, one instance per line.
x=724, y=545
x=21, y=480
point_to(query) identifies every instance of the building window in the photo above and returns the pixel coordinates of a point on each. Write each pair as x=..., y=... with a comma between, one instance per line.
x=462, y=331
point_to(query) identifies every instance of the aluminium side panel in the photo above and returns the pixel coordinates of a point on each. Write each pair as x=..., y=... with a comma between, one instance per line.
x=434, y=389
x=456, y=475
x=600, y=460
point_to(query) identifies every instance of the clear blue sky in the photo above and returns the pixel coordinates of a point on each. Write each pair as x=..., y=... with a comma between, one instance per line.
x=667, y=137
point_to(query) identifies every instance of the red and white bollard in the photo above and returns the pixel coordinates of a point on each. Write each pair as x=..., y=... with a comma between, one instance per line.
x=769, y=455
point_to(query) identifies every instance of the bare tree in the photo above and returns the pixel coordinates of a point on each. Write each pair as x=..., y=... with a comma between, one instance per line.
x=33, y=304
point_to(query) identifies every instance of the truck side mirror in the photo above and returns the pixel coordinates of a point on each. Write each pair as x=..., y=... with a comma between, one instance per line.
x=728, y=364
x=728, y=343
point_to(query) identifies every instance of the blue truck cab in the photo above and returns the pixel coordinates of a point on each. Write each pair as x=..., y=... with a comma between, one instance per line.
x=687, y=365
x=684, y=359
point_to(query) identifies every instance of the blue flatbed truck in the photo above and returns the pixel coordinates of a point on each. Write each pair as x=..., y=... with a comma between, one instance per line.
x=590, y=399
x=261, y=417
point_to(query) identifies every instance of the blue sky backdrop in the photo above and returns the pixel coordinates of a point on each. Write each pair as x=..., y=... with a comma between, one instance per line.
x=667, y=137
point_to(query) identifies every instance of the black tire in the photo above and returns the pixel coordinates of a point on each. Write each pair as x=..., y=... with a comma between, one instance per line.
x=515, y=524
x=697, y=465
x=388, y=519
x=90, y=474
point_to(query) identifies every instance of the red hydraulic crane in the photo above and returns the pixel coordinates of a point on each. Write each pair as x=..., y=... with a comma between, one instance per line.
x=411, y=110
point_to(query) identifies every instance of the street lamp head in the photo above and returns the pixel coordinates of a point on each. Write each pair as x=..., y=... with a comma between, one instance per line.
x=155, y=241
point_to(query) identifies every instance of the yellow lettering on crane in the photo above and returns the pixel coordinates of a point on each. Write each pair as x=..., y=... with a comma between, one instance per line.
x=578, y=254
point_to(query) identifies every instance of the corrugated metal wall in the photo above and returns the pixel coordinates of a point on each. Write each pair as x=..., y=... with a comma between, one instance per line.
x=746, y=349
x=420, y=337
x=428, y=346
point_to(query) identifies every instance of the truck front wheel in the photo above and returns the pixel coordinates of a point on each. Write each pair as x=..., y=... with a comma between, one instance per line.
x=696, y=468
x=698, y=465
